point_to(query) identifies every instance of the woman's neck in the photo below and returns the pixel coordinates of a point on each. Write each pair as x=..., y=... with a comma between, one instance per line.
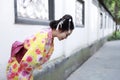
x=54, y=33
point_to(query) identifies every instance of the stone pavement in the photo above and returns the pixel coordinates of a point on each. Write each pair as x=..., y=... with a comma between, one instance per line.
x=103, y=65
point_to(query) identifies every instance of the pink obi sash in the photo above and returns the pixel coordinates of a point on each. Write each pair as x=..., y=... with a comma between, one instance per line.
x=18, y=50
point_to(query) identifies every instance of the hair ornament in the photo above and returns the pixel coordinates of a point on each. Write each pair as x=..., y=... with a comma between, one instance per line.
x=69, y=25
x=60, y=24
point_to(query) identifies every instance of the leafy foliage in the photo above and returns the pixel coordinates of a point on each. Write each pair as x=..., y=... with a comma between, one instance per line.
x=114, y=36
x=110, y=4
x=113, y=6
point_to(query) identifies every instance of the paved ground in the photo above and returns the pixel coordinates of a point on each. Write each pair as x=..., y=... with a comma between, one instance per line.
x=103, y=65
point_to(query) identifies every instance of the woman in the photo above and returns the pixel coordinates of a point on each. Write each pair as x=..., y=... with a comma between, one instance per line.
x=35, y=51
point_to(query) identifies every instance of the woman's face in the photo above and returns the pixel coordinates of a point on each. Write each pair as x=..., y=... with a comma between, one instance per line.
x=63, y=35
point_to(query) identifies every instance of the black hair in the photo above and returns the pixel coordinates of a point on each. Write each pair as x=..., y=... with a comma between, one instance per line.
x=65, y=26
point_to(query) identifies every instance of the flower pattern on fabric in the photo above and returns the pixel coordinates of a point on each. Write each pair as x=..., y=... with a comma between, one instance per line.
x=39, y=49
x=29, y=59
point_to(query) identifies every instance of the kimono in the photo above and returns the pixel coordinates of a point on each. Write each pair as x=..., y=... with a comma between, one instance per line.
x=29, y=55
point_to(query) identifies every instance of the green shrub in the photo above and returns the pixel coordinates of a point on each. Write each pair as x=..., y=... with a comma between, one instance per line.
x=114, y=36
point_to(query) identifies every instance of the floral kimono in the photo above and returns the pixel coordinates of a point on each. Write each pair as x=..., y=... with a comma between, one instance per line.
x=30, y=54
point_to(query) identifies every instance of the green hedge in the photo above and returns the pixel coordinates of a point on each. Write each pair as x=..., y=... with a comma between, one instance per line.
x=114, y=36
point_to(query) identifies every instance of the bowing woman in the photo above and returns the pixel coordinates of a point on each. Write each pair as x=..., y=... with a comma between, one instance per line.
x=36, y=50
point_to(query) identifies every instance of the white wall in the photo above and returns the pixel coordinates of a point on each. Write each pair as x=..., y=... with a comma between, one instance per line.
x=94, y=23
x=11, y=32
